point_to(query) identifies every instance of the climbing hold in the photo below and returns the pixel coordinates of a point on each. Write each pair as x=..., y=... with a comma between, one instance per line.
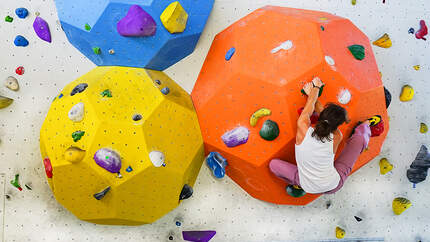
x=262, y=112
x=217, y=164
x=353, y=2
x=5, y=102
x=387, y=97
x=129, y=169
x=417, y=67
x=423, y=31
x=295, y=191
x=178, y=223
x=76, y=113
x=60, y=96
x=322, y=28
x=358, y=219
x=19, y=70
x=174, y=18
x=28, y=186
x=411, y=31
x=419, y=167
x=87, y=27
x=41, y=28
x=344, y=96
x=384, y=41
x=377, y=129
x=7, y=196
x=48, y=167
x=157, y=158
x=77, y=135
x=186, y=192
x=235, y=137
x=20, y=41
x=423, y=128
x=108, y=159
x=270, y=130
x=165, y=90
x=283, y=46
x=74, y=154
x=385, y=166
x=136, y=23
x=319, y=93
x=101, y=194
x=230, y=53
x=357, y=51
x=79, y=88
x=106, y=93
x=314, y=117
x=328, y=204
x=407, y=93
x=198, y=236
x=340, y=233
x=21, y=12
x=8, y=19
x=170, y=237
x=111, y=51
x=137, y=117
x=329, y=60
x=400, y=204
x=15, y=182
x=97, y=50
x=158, y=82
x=11, y=83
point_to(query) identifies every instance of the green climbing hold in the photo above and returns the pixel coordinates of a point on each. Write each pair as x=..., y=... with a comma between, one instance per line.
x=357, y=51
x=8, y=19
x=87, y=27
x=97, y=50
x=77, y=135
x=319, y=94
x=106, y=93
x=295, y=191
x=322, y=28
x=270, y=130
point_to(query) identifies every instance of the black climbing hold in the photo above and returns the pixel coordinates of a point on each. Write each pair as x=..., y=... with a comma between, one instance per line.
x=295, y=191
x=7, y=196
x=137, y=117
x=358, y=219
x=158, y=82
x=101, y=194
x=328, y=204
x=186, y=192
x=411, y=30
x=79, y=88
x=387, y=97
x=170, y=237
x=270, y=130
x=419, y=167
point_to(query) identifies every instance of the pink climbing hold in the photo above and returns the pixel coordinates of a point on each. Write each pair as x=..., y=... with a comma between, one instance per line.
x=136, y=23
x=42, y=29
x=423, y=31
x=198, y=236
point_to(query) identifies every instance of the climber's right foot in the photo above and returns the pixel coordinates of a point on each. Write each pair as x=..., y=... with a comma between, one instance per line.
x=295, y=191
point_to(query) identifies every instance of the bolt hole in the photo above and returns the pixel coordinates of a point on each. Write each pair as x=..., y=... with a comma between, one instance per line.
x=137, y=117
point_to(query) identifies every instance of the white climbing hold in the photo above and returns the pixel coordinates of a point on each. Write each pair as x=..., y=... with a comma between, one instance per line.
x=157, y=158
x=329, y=60
x=284, y=46
x=344, y=96
x=76, y=113
x=11, y=83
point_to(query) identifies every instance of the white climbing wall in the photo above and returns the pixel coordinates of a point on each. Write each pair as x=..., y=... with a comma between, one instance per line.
x=220, y=204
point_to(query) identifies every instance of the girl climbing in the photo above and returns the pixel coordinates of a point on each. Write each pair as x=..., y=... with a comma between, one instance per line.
x=317, y=171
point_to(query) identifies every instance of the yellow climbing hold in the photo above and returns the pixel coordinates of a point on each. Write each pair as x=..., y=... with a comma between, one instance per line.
x=407, y=93
x=400, y=204
x=417, y=67
x=5, y=102
x=74, y=154
x=385, y=166
x=384, y=41
x=340, y=233
x=259, y=114
x=174, y=18
x=423, y=128
x=353, y=2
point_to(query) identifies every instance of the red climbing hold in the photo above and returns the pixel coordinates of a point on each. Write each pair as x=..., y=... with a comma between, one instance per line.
x=377, y=129
x=48, y=167
x=423, y=31
x=19, y=70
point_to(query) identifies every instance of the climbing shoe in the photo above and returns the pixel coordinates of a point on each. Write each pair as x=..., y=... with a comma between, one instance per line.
x=295, y=191
x=374, y=120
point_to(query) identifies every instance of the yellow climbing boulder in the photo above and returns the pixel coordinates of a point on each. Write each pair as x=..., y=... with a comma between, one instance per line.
x=121, y=146
x=385, y=166
x=407, y=93
x=174, y=18
x=400, y=204
x=340, y=233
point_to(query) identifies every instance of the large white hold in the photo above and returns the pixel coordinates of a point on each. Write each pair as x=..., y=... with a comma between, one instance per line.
x=284, y=46
x=329, y=60
x=76, y=113
x=344, y=96
x=157, y=158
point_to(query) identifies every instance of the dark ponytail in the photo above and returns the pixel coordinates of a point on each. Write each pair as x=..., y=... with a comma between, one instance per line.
x=329, y=120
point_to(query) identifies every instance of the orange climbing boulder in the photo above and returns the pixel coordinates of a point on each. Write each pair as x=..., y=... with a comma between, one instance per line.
x=254, y=72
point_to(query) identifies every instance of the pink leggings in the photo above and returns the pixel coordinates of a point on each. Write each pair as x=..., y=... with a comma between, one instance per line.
x=343, y=164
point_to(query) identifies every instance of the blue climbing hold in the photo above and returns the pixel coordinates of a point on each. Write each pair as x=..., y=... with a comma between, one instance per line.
x=61, y=95
x=21, y=12
x=165, y=90
x=230, y=53
x=217, y=164
x=20, y=41
x=178, y=223
x=411, y=30
x=129, y=169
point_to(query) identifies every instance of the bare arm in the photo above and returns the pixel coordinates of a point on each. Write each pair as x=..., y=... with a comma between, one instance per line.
x=319, y=107
x=336, y=140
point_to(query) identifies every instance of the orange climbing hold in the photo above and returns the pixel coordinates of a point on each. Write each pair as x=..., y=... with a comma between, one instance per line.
x=277, y=50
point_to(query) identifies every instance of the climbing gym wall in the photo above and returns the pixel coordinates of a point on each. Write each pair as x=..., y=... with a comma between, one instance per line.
x=363, y=208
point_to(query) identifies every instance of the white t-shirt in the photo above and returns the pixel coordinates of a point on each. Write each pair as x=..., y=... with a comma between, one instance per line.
x=315, y=162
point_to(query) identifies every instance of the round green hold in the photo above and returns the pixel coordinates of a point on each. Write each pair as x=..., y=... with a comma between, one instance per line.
x=357, y=51
x=295, y=191
x=270, y=130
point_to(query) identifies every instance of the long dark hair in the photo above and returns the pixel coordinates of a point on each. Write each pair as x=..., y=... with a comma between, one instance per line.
x=330, y=118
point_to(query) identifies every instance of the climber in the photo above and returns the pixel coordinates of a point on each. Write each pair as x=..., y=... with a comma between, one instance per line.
x=317, y=171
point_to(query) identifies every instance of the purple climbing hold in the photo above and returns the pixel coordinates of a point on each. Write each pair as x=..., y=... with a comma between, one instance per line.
x=235, y=137
x=41, y=28
x=198, y=236
x=136, y=23
x=108, y=159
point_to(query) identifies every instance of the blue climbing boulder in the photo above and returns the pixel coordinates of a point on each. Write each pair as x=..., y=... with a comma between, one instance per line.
x=92, y=25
